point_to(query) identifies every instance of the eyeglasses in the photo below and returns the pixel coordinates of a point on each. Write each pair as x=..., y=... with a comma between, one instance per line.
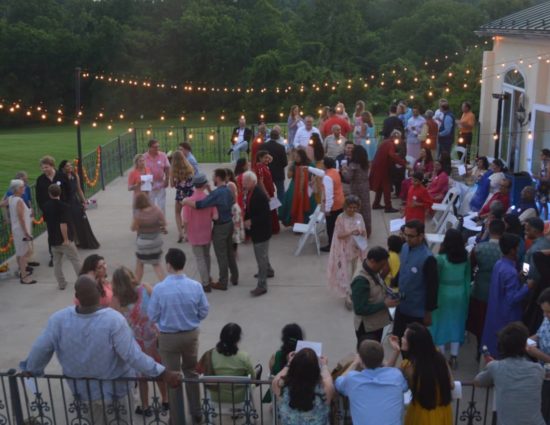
x=409, y=236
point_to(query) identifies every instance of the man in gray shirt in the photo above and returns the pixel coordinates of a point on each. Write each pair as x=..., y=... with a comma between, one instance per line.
x=517, y=380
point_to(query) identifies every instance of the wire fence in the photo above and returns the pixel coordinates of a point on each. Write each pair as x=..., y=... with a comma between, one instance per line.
x=55, y=399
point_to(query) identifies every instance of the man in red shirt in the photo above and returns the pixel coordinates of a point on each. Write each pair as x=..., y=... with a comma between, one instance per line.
x=335, y=119
x=503, y=195
x=419, y=200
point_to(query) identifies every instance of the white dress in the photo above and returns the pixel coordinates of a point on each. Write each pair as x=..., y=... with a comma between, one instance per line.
x=21, y=246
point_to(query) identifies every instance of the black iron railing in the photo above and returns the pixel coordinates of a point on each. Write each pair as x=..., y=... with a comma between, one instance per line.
x=54, y=399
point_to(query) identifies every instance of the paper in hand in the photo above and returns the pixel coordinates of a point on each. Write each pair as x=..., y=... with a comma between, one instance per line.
x=315, y=346
x=396, y=224
x=274, y=203
x=360, y=241
x=146, y=182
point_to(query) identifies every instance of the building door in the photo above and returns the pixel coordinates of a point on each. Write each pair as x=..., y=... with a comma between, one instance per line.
x=510, y=130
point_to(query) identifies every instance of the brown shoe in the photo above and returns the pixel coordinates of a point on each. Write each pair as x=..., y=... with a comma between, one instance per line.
x=258, y=291
x=219, y=286
x=207, y=288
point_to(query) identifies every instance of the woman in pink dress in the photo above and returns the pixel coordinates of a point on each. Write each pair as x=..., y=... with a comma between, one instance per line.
x=439, y=185
x=131, y=299
x=265, y=181
x=345, y=252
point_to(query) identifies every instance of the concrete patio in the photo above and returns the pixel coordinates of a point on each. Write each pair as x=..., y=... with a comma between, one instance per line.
x=298, y=292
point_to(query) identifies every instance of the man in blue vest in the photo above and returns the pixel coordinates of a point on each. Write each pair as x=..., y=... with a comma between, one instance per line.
x=446, y=130
x=418, y=281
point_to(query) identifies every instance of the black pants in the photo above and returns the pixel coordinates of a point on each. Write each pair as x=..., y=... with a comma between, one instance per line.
x=402, y=320
x=362, y=335
x=546, y=401
x=331, y=222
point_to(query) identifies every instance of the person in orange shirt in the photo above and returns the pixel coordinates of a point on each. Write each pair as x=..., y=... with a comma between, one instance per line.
x=419, y=200
x=466, y=125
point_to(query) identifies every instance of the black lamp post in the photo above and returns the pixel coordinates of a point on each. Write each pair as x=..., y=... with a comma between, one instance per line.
x=77, y=122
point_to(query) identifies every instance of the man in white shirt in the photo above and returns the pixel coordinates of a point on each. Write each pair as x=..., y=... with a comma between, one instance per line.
x=303, y=135
x=414, y=128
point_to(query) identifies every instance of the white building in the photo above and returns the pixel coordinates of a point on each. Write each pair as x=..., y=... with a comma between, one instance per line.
x=515, y=91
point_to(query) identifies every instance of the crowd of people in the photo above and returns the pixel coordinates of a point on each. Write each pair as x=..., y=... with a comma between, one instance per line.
x=429, y=301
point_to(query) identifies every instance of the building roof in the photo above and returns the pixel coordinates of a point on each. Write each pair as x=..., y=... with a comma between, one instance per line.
x=531, y=22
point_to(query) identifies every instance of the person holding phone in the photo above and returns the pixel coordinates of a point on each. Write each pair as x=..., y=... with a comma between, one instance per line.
x=371, y=297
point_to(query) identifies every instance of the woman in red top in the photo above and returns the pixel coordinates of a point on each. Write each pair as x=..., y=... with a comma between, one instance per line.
x=240, y=167
x=419, y=200
x=265, y=181
x=425, y=165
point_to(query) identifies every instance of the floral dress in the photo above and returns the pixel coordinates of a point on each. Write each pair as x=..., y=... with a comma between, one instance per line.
x=344, y=253
x=145, y=331
x=316, y=416
x=184, y=189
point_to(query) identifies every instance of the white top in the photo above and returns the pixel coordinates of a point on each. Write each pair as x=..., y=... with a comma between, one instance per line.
x=328, y=186
x=21, y=246
x=303, y=136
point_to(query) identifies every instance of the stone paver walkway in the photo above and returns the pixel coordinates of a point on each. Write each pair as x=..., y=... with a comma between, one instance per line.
x=298, y=292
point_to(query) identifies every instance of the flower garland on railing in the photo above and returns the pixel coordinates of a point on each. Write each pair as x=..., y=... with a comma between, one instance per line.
x=7, y=247
x=38, y=222
x=91, y=183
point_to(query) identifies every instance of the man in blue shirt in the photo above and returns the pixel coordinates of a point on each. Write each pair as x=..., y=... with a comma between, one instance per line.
x=446, y=134
x=222, y=231
x=178, y=305
x=376, y=393
x=506, y=293
x=94, y=342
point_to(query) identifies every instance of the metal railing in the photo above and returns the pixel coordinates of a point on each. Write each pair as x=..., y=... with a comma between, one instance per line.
x=54, y=399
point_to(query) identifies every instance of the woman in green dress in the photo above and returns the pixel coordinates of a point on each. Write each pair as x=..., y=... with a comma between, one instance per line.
x=299, y=202
x=454, y=271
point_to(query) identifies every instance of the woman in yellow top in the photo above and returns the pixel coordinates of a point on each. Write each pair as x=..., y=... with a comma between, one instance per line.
x=394, y=248
x=428, y=375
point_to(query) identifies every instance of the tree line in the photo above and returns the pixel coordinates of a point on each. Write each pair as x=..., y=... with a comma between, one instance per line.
x=242, y=42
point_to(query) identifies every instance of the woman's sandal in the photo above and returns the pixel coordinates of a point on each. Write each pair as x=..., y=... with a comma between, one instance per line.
x=22, y=281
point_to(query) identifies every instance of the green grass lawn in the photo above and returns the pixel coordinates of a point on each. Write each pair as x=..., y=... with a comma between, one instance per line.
x=23, y=147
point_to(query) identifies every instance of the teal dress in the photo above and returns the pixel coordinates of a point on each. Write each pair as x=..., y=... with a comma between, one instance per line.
x=285, y=212
x=449, y=319
x=316, y=416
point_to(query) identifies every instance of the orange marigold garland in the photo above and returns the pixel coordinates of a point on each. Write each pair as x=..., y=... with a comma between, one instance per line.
x=91, y=183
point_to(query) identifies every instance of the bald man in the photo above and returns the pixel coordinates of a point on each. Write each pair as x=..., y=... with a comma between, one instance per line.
x=94, y=342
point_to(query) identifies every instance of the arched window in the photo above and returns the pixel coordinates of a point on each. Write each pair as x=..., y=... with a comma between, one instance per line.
x=514, y=78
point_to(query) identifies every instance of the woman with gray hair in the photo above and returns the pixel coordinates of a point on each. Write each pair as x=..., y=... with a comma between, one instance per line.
x=20, y=220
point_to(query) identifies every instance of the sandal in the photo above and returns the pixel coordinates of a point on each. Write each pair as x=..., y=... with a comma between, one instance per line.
x=24, y=282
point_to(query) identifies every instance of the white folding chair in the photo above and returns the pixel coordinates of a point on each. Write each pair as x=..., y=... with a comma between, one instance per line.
x=462, y=159
x=441, y=210
x=450, y=222
x=312, y=228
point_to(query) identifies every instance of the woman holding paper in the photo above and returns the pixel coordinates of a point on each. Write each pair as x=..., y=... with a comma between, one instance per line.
x=304, y=388
x=349, y=247
x=140, y=178
x=265, y=181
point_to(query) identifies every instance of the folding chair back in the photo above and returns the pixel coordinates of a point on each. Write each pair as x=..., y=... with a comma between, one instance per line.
x=309, y=229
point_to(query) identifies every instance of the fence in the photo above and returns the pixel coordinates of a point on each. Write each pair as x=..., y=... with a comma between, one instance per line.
x=53, y=399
